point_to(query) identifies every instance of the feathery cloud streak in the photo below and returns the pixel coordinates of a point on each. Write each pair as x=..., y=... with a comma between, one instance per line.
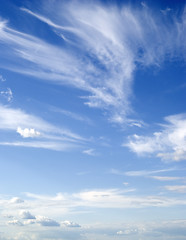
x=30, y=126
x=105, y=46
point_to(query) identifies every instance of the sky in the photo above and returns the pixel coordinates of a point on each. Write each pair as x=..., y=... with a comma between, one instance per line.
x=92, y=120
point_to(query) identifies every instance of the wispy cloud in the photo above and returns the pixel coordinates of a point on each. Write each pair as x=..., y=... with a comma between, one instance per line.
x=169, y=144
x=100, y=198
x=114, y=42
x=90, y=152
x=72, y=115
x=30, y=126
x=140, y=173
x=176, y=188
x=7, y=94
x=15, y=222
x=55, y=145
x=167, y=178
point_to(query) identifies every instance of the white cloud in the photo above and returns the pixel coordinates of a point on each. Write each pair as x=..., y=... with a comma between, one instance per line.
x=7, y=94
x=51, y=137
x=90, y=152
x=72, y=115
x=13, y=118
x=26, y=133
x=176, y=188
x=57, y=146
x=2, y=79
x=166, y=178
x=26, y=215
x=114, y=42
x=70, y=224
x=125, y=183
x=15, y=223
x=140, y=173
x=169, y=144
x=127, y=232
x=16, y=200
x=44, y=221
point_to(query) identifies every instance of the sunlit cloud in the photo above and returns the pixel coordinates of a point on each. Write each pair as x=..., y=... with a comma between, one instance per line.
x=26, y=133
x=169, y=144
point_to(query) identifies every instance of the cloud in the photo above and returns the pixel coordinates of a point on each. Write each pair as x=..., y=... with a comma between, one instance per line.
x=169, y=144
x=166, y=178
x=70, y=224
x=15, y=222
x=57, y=146
x=176, y=188
x=44, y=221
x=101, y=198
x=26, y=133
x=2, y=79
x=140, y=173
x=17, y=119
x=50, y=136
x=127, y=232
x=90, y=152
x=7, y=94
x=16, y=200
x=72, y=115
x=114, y=43
x=26, y=215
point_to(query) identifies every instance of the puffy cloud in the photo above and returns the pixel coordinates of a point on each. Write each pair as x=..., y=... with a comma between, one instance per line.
x=26, y=133
x=16, y=200
x=44, y=221
x=169, y=144
x=70, y=224
x=26, y=215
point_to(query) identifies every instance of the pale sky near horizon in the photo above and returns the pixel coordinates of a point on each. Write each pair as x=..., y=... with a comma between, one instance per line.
x=92, y=120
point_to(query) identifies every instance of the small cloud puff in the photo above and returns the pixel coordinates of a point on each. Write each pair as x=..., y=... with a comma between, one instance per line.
x=26, y=133
x=128, y=232
x=16, y=200
x=70, y=224
x=90, y=152
x=26, y=215
x=7, y=94
x=2, y=79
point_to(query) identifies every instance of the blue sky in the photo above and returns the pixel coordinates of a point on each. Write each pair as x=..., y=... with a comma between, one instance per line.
x=92, y=120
